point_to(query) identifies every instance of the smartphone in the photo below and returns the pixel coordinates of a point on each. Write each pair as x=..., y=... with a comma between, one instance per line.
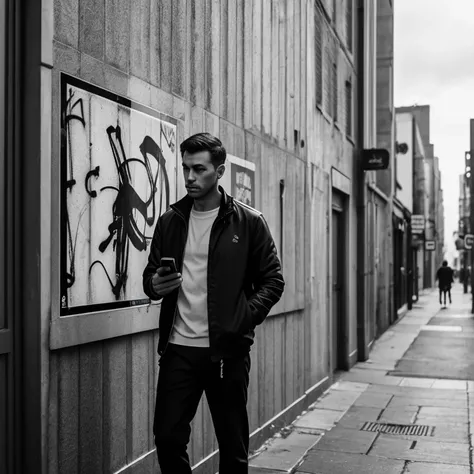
x=170, y=263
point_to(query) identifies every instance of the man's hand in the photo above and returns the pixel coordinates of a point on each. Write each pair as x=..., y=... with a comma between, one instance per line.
x=164, y=283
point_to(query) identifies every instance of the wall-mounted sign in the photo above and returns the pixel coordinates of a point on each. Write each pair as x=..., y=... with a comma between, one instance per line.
x=118, y=175
x=239, y=179
x=417, y=224
x=375, y=159
x=430, y=245
x=468, y=241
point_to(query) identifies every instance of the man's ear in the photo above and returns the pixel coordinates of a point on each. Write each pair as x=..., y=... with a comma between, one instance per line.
x=220, y=171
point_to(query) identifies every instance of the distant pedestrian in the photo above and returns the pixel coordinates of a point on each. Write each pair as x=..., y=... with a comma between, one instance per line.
x=445, y=275
x=227, y=277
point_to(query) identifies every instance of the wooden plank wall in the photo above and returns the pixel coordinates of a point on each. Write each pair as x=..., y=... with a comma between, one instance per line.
x=208, y=64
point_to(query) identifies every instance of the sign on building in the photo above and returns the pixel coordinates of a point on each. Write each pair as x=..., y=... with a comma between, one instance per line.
x=430, y=245
x=118, y=175
x=468, y=241
x=239, y=179
x=417, y=223
x=375, y=159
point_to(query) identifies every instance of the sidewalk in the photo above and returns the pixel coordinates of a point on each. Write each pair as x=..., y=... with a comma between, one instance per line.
x=355, y=426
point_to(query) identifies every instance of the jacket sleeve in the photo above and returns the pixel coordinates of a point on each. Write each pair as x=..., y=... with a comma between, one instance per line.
x=267, y=278
x=154, y=259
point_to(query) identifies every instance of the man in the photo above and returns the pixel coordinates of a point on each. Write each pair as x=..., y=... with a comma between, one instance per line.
x=228, y=278
x=444, y=275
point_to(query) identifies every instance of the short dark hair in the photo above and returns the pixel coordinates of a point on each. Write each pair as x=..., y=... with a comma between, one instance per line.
x=205, y=142
x=445, y=263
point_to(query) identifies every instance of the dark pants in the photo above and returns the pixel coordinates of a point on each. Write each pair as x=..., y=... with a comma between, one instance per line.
x=185, y=373
x=443, y=291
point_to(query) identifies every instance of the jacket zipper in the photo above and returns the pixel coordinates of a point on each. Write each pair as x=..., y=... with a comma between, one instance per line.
x=221, y=218
x=181, y=271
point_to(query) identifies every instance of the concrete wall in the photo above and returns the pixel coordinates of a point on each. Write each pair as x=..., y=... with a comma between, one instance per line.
x=246, y=72
x=404, y=167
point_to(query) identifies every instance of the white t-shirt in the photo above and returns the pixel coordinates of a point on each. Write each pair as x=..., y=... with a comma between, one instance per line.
x=191, y=327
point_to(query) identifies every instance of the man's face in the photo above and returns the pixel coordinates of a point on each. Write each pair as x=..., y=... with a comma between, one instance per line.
x=200, y=176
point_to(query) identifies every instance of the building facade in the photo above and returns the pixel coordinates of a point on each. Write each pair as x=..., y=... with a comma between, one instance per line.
x=98, y=97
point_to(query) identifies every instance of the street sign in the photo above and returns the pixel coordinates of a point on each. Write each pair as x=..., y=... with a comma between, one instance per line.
x=468, y=241
x=430, y=245
x=417, y=223
x=375, y=159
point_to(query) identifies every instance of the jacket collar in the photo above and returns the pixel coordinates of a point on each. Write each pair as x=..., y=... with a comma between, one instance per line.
x=184, y=205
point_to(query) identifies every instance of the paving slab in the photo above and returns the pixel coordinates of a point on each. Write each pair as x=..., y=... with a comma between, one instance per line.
x=431, y=468
x=400, y=415
x=373, y=400
x=351, y=386
x=346, y=440
x=319, y=419
x=340, y=400
x=416, y=382
x=427, y=451
x=399, y=400
x=356, y=417
x=329, y=462
x=283, y=453
x=371, y=376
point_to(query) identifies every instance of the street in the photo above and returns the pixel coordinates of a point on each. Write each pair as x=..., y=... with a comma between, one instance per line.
x=420, y=374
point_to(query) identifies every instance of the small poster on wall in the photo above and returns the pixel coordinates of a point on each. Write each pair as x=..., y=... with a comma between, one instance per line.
x=239, y=179
x=118, y=175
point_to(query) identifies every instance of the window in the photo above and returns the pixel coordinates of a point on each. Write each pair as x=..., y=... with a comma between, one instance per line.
x=327, y=81
x=348, y=100
x=349, y=7
x=318, y=36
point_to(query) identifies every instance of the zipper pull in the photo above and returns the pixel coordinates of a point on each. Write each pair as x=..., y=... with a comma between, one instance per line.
x=222, y=369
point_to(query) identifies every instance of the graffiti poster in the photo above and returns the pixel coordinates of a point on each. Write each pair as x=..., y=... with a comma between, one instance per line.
x=118, y=175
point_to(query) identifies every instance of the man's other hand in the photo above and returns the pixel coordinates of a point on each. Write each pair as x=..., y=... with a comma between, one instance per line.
x=164, y=283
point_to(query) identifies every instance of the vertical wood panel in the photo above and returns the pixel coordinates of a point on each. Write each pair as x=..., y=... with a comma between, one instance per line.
x=198, y=53
x=196, y=447
x=117, y=31
x=257, y=65
x=297, y=71
x=140, y=39
x=152, y=364
x=279, y=363
x=90, y=408
x=275, y=62
x=282, y=105
x=299, y=239
x=248, y=53
x=224, y=58
x=179, y=48
x=269, y=371
x=115, y=404
x=213, y=27
x=208, y=435
x=140, y=389
x=303, y=96
x=290, y=76
x=240, y=60
x=91, y=28
x=290, y=359
x=289, y=233
x=232, y=60
x=165, y=44
x=69, y=411
x=266, y=66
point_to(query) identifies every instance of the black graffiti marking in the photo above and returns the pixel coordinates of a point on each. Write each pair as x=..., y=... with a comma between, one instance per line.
x=70, y=115
x=95, y=172
x=124, y=227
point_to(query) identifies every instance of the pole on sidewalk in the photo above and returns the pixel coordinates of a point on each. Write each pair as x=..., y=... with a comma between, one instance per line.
x=471, y=210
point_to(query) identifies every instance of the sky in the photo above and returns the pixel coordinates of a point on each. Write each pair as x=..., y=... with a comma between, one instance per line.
x=434, y=65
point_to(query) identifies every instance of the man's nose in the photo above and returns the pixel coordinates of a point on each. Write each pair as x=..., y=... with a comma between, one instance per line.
x=191, y=177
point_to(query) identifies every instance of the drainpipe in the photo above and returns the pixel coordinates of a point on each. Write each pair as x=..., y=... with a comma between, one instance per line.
x=362, y=349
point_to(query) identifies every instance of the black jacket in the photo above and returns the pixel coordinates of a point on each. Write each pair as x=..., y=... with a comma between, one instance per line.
x=244, y=276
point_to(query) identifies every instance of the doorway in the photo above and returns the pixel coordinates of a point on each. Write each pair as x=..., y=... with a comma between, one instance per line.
x=338, y=326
